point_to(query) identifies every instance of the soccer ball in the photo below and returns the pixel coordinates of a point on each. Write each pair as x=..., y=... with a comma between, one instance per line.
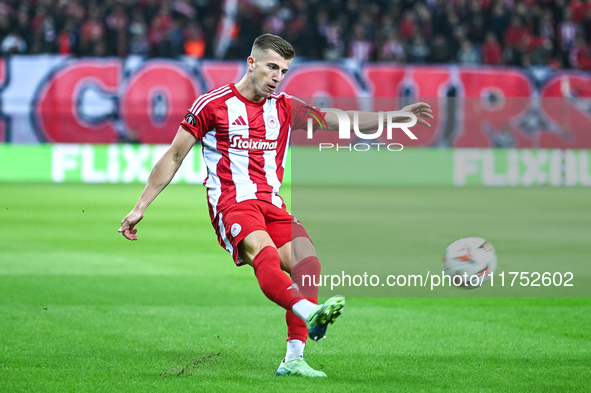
x=470, y=262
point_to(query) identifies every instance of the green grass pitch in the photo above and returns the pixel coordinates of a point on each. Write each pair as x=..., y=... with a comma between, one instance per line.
x=82, y=309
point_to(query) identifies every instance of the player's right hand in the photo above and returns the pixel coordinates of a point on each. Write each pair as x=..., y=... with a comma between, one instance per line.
x=128, y=224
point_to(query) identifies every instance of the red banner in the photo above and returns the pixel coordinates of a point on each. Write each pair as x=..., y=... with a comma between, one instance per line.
x=133, y=100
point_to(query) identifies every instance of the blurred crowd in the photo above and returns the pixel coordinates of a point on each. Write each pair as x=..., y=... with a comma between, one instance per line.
x=555, y=33
x=157, y=28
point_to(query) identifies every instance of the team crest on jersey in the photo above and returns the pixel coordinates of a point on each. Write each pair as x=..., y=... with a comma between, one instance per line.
x=190, y=118
x=272, y=122
x=235, y=229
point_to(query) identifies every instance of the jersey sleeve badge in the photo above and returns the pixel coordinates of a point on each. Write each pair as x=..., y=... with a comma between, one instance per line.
x=190, y=119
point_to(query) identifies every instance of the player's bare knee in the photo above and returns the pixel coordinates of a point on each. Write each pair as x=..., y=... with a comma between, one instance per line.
x=294, y=251
x=285, y=257
x=301, y=248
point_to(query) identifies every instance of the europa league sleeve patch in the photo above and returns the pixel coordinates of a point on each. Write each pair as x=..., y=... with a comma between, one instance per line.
x=189, y=123
x=190, y=119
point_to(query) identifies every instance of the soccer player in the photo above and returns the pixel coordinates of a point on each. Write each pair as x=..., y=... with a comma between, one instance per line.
x=244, y=130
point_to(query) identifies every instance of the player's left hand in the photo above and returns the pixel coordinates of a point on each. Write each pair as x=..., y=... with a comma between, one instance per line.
x=421, y=110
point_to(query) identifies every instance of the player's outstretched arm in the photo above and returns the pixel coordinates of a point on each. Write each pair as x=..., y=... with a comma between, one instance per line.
x=161, y=175
x=369, y=121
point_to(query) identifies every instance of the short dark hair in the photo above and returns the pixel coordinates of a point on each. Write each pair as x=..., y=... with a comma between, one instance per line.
x=275, y=43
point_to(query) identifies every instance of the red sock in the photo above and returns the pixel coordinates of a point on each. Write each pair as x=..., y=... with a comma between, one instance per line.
x=275, y=284
x=306, y=274
x=296, y=328
x=309, y=267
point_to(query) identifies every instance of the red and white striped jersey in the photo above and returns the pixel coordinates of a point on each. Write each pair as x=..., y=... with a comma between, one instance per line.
x=244, y=144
